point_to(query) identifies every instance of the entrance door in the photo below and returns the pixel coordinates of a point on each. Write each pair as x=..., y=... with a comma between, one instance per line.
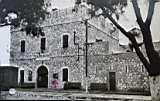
x=42, y=79
x=65, y=74
x=112, y=81
x=21, y=77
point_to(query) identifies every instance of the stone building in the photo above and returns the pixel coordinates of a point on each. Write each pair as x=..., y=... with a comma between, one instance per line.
x=60, y=53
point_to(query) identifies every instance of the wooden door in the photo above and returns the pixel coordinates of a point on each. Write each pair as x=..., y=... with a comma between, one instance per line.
x=21, y=77
x=42, y=79
x=65, y=74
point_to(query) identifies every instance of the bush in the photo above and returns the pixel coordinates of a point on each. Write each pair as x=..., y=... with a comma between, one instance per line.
x=136, y=90
x=98, y=86
x=27, y=85
x=72, y=85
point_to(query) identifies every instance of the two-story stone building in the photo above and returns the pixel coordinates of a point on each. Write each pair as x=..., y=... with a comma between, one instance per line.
x=61, y=53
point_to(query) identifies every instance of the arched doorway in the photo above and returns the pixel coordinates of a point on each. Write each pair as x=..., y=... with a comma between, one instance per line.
x=42, y=77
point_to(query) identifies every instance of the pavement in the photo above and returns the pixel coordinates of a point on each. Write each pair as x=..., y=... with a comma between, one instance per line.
x=50, y=94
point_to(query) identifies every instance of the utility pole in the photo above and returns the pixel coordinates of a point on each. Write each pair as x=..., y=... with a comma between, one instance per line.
x=86, y=54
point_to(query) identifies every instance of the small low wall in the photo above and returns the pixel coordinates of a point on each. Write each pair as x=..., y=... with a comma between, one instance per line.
x=31, y=96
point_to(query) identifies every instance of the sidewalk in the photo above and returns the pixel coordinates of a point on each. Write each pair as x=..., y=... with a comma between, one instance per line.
x=76, y=95
x=114, y=97
x=90, y=91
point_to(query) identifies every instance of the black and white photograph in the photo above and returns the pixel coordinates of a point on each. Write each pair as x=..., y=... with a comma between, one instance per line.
x=80, y=50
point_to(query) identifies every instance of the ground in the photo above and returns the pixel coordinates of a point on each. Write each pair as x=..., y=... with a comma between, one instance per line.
x=50, y=94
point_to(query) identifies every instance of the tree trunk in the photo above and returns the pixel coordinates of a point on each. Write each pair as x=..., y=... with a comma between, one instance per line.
x=155, y=87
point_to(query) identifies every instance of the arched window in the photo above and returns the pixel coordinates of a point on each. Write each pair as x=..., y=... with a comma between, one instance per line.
x=29, y=75
x=65, y=41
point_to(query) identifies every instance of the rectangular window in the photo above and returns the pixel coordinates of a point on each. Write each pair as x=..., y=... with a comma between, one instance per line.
x=127, y=68
x=55, y=76
x=65, y=41
x=43, y=44
x=98, y=40
x=22, y=46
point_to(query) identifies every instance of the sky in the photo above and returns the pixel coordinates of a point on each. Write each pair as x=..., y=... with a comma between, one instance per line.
x=63, y=3
x=4, y=45
x=127, y=20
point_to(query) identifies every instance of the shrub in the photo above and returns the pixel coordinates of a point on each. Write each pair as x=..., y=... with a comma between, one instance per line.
x=27, y=85
x=72, y=85
x=136, y=90
x=98, y=86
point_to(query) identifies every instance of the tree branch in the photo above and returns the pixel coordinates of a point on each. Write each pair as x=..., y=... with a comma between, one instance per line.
x=140, y=54
x=150, y=12
x=145, y=28
x=132, y=39
x=137, y=12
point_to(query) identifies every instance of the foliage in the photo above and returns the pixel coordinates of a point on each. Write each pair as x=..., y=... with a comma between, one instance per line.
x=71, y=85
x=27, y=86
x=28, y=11
x=98, y=86
x=108, y=6
x=33, y=30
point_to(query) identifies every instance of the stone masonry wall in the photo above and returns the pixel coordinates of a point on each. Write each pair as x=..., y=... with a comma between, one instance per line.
x=130, y=73
x=128, y=68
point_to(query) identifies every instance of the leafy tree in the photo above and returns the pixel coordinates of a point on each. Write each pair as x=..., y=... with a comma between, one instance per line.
x=28, y=12
x=152, y=60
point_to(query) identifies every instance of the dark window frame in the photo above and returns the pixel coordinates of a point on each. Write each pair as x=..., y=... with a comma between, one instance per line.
x=30, y=75
x=99, y=40
x=43, y=45
x=65, y=74
x=23, y=46
x=65, y=41
x=55, y=75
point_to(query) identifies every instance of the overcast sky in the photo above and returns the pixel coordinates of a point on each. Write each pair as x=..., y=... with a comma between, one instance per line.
x=128, y=21
x=63, y=3
x=4, y=45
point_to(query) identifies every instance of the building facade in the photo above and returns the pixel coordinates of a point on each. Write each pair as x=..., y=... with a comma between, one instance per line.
x=61, y=53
